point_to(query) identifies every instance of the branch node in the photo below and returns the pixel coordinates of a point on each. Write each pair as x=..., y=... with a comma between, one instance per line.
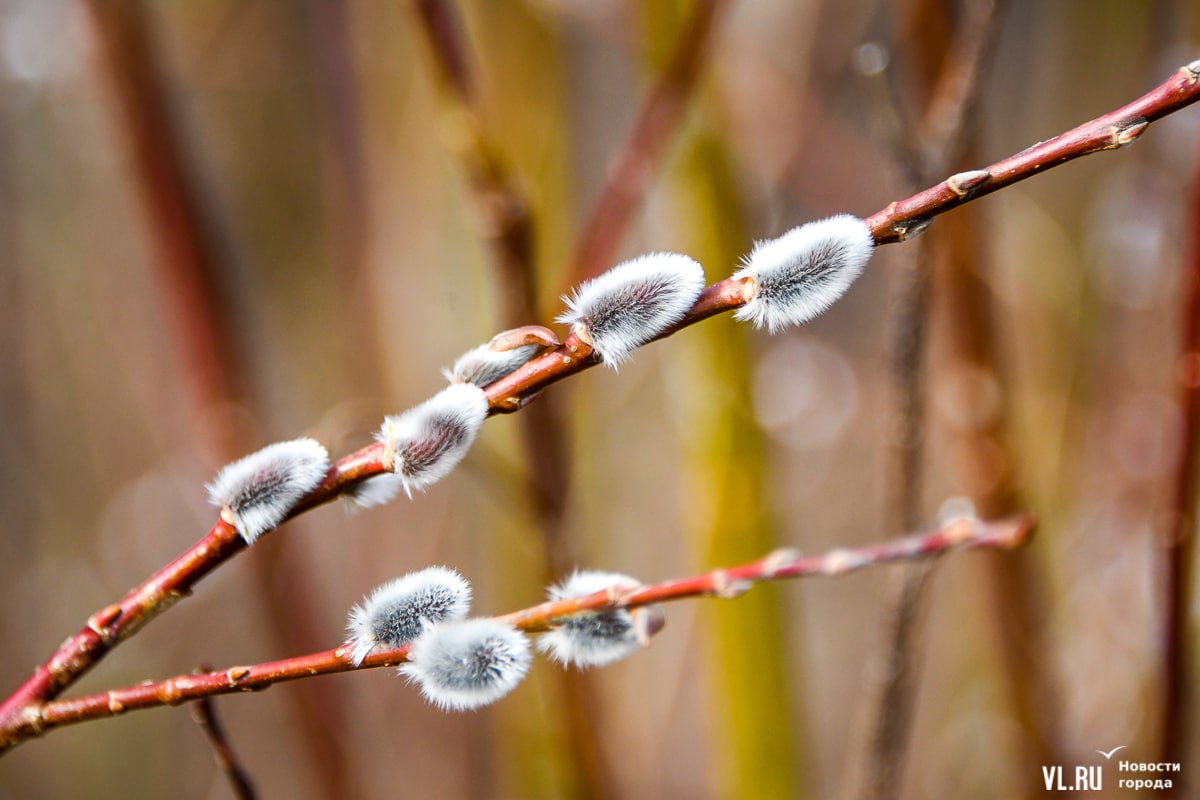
x=114, y=704
x=1191, y=71
x=778, y=559
x=525, y=335
x=911, y=229
x=726, y=588
x=964, y=184
x=235, y=674
x=100, y=623
x=839, y=562
x=1127, y=132
x=170, y=692
x=32, y=719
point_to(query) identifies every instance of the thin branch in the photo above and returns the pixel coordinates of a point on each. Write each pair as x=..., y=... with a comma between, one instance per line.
x=657, y=120
x=962, y=533
x=1108, y=132
x=1178, y=697
x=901, y=219
x=934, y=145
x=204, y=713
x=190, y=244
x=500, y=201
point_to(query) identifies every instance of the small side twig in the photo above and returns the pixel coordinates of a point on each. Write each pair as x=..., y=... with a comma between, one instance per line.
x=204, y=713
x=963, y=533
x=82, y=650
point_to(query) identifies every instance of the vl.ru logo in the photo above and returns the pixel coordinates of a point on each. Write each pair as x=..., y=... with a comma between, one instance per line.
x=1084, y=779
x=1091, y=779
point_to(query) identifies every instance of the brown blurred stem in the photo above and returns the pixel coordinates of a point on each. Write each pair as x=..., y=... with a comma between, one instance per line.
x=190, y=248
x=1179, y=640
x=928, y=147
x=637, y=159
x=191, y=251
x=204, y=712
x=108, y=626
x=728, y=582
x=509, y=225
x=500, y=201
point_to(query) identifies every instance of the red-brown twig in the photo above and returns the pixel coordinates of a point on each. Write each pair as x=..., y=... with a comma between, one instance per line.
x=1178, y=696
x=728, y=582
x=903, y=218
x=632, y=168
x=204, y=713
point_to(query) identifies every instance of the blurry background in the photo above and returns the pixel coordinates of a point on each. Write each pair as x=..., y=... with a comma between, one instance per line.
x=224, y=224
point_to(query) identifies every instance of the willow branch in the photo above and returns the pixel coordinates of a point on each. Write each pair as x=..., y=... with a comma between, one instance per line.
x=728, y=582
x=900, y=220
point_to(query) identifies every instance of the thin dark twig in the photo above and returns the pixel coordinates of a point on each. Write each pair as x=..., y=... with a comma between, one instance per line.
x=204, y=713
x=933, y=146
x=1179, y=696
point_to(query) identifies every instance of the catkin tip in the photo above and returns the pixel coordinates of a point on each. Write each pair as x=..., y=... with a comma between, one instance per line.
x=803, y=272
x=483, y=366
x=256, y=492
x=468, y=664
x=622, y=309
x=429, y=440
x=595, y=639
x=400, y=610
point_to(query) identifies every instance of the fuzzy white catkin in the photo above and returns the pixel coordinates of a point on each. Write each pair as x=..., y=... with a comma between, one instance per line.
x=430, y=440
x=484, y=366
x=633, y=302
x=803, y=272
x=374, y=491
x=468, y=664
x=591, y=639
x=260, y=489
x=400, y=610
